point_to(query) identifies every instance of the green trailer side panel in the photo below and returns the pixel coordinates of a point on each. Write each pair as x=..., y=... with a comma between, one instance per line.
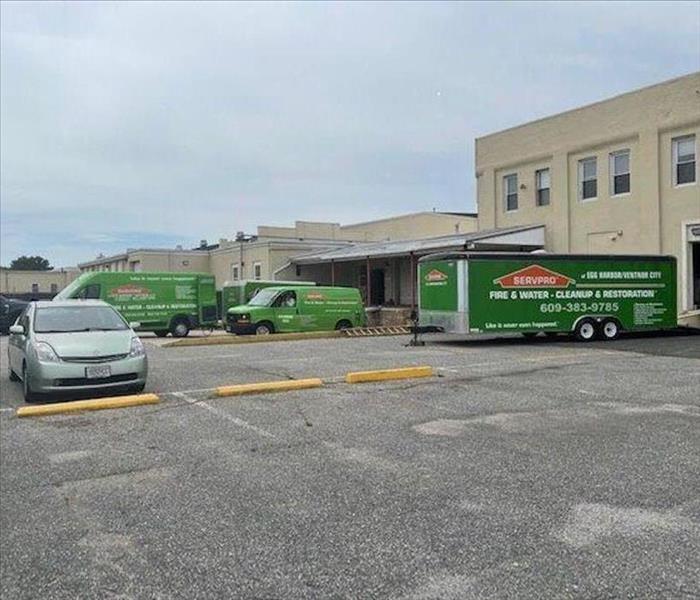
x=541, y=294
x=438, y=285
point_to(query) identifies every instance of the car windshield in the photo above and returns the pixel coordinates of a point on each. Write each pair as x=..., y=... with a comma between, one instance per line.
x=67, y=319
x=263, y=297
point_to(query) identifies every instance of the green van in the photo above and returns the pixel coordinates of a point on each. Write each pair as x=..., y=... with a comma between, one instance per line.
x=159, y=302
x=292, y=308
x=240, y=292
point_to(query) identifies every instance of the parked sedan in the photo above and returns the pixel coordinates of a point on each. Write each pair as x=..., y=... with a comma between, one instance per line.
x=75, y=345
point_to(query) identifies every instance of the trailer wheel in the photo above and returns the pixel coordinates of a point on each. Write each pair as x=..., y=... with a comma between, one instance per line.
x=264, y=328
x=610, y=330
x=586, y=330
x=180, y=327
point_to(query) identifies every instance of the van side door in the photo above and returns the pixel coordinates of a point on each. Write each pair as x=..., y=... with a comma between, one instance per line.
x=286, y=311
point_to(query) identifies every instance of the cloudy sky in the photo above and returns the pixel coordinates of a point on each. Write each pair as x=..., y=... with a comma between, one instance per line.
x=155, y=124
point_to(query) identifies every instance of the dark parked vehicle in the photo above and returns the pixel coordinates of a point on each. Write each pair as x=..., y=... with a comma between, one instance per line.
x=10, y=309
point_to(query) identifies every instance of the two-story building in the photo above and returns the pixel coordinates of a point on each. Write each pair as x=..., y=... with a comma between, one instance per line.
x=618, y=176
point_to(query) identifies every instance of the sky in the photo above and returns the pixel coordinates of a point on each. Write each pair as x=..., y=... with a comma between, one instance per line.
x=140, y=124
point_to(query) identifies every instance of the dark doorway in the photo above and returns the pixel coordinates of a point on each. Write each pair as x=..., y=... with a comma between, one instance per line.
x=377, y=287
x=695, y=274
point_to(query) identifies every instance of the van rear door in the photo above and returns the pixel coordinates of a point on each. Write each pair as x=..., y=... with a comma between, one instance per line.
x=206, y=295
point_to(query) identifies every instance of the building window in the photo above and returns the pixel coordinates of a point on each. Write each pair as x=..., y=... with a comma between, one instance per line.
x=235, y=272
x=510, y=192
x=35, y=288
x=54, y=288
x=684, y=160
x=257, y=271
x=588, y=179
x=620, y=172
x=542, y=187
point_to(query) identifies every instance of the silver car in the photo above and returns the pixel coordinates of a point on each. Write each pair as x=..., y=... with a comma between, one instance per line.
x=75, y=345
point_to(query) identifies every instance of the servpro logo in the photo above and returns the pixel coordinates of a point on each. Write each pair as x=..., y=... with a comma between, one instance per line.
x=315, y=296
x=435, y=276
x=130, y=290
x=534, y=276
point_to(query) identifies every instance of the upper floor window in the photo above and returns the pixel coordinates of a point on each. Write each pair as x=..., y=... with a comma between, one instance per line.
x=235, y=272
x=542, y=187
x=684, y=160
x=510, y=192
x=588, y=179
x=257, y=271
x=620, y=172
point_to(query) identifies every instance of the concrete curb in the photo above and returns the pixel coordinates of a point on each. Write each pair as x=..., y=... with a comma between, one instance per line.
x=388, y=374
x=267, y=386
x=79, y=405
x=252, y=339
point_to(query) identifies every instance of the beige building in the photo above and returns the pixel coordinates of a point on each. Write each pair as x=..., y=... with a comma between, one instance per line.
x=618, y=176
x=35, y=284
x=269, y=254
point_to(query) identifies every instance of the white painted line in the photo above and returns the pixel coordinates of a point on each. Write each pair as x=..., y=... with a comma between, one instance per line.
x=219, y=413
x=6, y=409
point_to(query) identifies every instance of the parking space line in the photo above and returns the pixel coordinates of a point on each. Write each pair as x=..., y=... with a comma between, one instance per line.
x=219, y=413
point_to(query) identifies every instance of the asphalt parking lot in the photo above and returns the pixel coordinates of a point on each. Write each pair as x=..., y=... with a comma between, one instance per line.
x=549, y=469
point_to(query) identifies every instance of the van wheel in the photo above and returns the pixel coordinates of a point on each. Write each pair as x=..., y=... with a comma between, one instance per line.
x=161, y=332
x=586, y=330
x=29, y=395
x=610, y=330
x=264, y=328
x=344, y=324
x=180, y=328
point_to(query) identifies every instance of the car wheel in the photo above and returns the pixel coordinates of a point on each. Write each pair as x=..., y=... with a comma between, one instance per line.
x=264, y=328
x=180, y=328
x=137, y=389
x=586, y=330
x=344, y=324
x=161, y=332
x=610, y=330
x=29, y=395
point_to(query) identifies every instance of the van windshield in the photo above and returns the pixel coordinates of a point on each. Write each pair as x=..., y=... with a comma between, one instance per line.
x=263, y=297
x=69, y=319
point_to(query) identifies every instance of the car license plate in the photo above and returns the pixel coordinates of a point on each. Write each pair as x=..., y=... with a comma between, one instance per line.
x=98, y=372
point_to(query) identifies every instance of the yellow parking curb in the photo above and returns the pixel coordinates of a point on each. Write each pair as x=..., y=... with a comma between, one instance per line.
x=79, y=405
x=219, y=340
x=387, y=374
x=268, y=386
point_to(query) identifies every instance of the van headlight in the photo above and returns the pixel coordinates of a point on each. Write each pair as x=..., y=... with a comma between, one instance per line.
x=45, y=353
x=137, y=348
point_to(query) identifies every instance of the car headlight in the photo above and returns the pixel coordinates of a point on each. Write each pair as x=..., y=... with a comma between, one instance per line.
x=137, y=348
x=45, y=353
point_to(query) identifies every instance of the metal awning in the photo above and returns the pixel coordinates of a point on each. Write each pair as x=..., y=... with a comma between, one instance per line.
x=530, y=237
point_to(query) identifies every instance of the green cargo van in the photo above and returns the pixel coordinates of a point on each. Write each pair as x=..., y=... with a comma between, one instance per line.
x=287, y=309
x=240, y=292
x=588, y=295
x=160, y=302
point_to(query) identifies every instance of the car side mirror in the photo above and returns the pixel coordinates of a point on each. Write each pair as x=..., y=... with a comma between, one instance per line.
x=134, y=324
x=17, y=329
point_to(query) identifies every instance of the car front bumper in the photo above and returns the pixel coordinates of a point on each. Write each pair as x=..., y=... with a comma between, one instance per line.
x=64, y=376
